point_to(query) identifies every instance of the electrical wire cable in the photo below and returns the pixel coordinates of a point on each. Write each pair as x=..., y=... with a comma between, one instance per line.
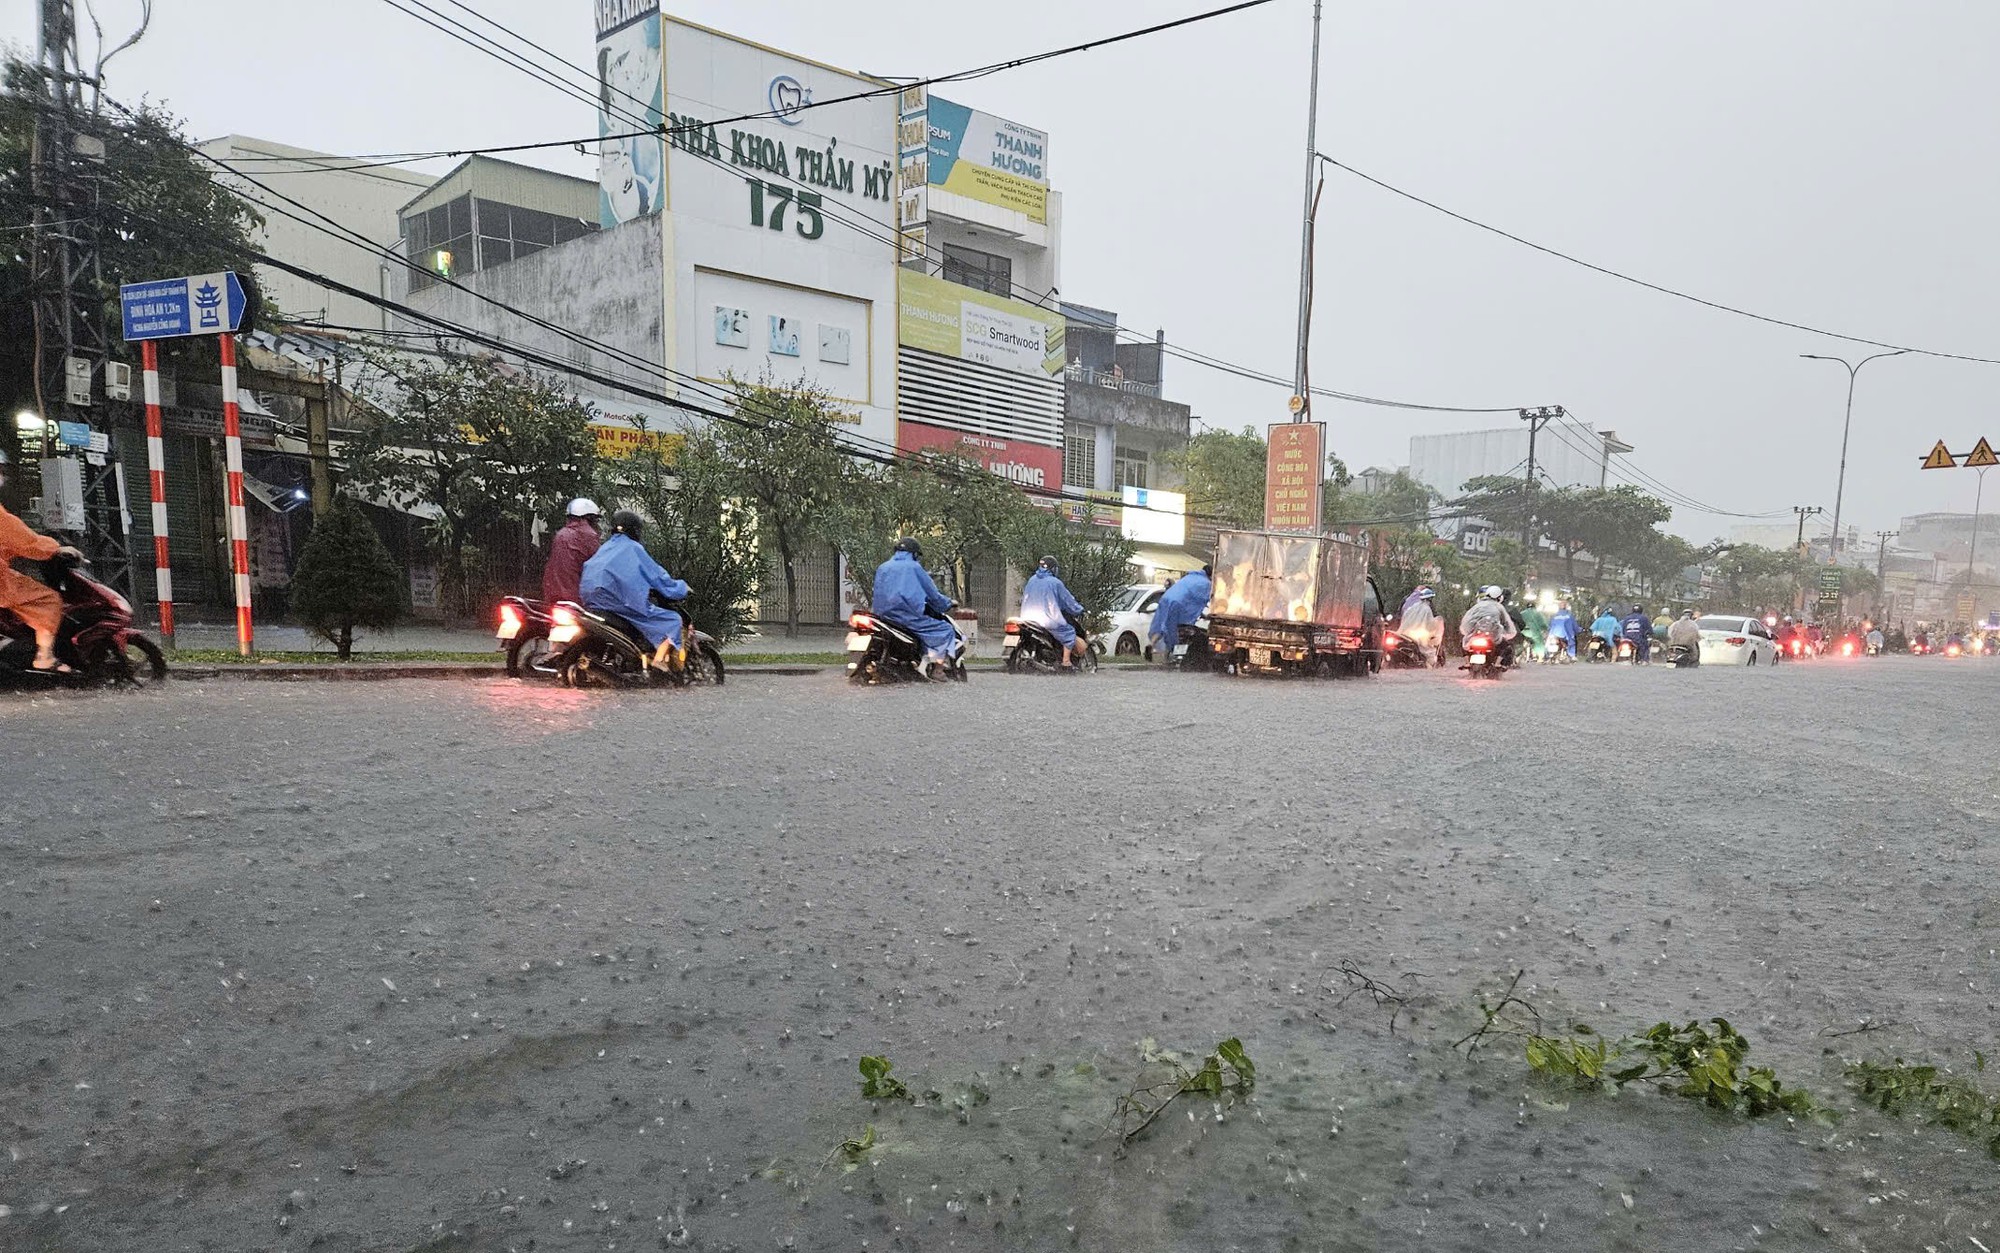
x=1640, y=282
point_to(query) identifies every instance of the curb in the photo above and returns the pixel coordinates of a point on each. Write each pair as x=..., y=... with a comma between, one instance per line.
x=362, y=671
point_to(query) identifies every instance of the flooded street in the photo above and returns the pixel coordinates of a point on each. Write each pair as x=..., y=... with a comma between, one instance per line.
x=476, y=966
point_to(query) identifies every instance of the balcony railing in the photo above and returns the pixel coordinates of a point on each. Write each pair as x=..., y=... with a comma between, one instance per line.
x=1110, y=380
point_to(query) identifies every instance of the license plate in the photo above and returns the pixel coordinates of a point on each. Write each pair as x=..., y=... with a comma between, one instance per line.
x=1260, y=656
x=856, y=642
x=508, y=630
x=1477, y=659
x=1009, y=647
x=564, y=634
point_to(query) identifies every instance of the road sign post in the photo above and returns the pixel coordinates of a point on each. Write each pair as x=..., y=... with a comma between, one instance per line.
x=177, y=308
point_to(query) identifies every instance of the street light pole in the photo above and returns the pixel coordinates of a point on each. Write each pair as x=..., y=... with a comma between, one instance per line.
x=1847, y=423
x=1303, y=407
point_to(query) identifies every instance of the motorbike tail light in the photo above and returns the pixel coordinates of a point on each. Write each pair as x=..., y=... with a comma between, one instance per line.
x=510, y=616
x=1013, y=626
x=1479, y=643
x=1951, y=650
x=861, y=621
x=1797, y=648
x=1391, y=639
x=1736, y=641
x=1847, y=650
x=563, y=615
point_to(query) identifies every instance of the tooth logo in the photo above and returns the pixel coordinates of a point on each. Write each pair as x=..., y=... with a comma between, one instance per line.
x=789, y=97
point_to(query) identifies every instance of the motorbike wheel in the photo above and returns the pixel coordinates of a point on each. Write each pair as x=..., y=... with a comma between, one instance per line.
x=704, y=667
x=526, y=656
x=861, y=669
x=140, y=663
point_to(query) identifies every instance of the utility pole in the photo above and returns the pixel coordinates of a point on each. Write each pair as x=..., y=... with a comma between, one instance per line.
x=1536, y=420
x=1847, y=423
x=1804, y=512
x=71, y=347
x=1302, y=403
x=1882, y=539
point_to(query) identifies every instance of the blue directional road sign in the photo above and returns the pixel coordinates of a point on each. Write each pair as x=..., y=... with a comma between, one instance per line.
x=171, y=308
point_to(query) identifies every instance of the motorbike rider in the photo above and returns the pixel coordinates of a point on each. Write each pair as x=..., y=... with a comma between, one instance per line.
x=1563, y=628
x=621, y=577
x=1534, y=628
x=1047, y=602
x=1488, y=616
x=906, y=597
x=1180, y=605
x=1787, y=632
x=1605, y=627
x=1686, y=633
x=34, y=602
x=1420, y=625
x=1637, y=629
x=572, y=546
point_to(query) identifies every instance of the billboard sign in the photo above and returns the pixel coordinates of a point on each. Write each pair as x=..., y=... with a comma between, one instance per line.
x=988, y=159
x=1294, y=453
x=631, y=74
x=1151, y=516
x=973, y=325
x=173, y=308
x=1029, y=465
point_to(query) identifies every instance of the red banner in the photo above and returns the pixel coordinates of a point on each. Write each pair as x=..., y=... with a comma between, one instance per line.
x=1030, y=465
x=1295, y=453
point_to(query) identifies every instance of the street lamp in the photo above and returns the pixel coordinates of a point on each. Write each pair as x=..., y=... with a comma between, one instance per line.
x=1840, y=488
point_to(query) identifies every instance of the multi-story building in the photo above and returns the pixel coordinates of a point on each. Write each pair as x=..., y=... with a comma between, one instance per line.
x=1567, y=454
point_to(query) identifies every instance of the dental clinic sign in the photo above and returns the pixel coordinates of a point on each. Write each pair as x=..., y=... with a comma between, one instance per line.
x=174, y=308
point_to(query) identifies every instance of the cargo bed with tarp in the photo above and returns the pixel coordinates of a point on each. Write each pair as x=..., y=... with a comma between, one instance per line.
x=1290, y=603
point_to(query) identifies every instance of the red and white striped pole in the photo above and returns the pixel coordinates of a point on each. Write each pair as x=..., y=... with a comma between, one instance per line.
x=239, y=523
x=156, y=467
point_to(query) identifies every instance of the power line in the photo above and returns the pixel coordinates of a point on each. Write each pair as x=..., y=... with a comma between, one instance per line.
x=1640, y=282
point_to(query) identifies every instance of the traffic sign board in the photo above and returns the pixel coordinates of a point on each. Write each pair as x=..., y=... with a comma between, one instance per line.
x=170, y=308
x=1981, y=456
x=1829, y=580
x=1940, y=458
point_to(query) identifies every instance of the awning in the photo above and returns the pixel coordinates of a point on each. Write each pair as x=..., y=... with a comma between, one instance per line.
x=1177, y=560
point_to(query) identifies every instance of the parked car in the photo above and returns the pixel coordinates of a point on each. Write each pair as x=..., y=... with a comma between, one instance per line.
x=1131, y=618
x=1730, y=639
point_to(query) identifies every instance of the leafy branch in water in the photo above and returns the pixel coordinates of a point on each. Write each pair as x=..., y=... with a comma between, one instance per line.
x=1359, y=982
x=1951, y=1101
x=1703, y=1063
x=1228, y=1071
x=877, y=1084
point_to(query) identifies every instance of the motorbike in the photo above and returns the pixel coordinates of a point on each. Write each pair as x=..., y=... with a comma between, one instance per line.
x=1628, y=651
x=1597, y=649
x=604, y=649
x=1031, y=648
x=524, y=635
x=1402, y=653
x=1683, y=656
x=1482, y=657
x=879, y=651
x=95, y=640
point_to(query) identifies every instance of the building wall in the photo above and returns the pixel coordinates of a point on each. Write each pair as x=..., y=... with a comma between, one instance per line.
x=1444, y=462
x=605, y=286
x=365, y=201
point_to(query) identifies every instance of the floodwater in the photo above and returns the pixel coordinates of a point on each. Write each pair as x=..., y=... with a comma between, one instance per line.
x=476, y=966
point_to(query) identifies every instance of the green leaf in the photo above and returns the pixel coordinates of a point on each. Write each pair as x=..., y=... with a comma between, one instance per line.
x=1231, y=1051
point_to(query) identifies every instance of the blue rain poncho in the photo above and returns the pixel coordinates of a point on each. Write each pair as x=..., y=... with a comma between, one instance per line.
x=1563, y=626
x=1046, y=601
x=618, y=579
x=1180, y=605
x=906, y=597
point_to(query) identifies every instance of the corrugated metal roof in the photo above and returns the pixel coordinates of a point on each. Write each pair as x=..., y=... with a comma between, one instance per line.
x=510, y=182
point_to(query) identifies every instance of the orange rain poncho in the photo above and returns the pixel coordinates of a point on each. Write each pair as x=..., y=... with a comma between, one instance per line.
x=38, y=604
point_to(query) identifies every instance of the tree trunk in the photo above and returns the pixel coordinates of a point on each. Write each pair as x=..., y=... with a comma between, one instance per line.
x=343, y=646
x=791, y=586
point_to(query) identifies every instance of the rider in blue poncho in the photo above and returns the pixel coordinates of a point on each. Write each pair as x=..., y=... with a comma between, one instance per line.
x=906, y=597
x=1180, y=605
x=620, y=578
x=1047, y=602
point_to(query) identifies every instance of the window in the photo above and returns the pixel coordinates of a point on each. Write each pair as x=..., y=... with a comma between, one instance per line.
x=510, y=232
x=440, y=242
x=1130, y=467
x=1080, y=459
x=969, y=267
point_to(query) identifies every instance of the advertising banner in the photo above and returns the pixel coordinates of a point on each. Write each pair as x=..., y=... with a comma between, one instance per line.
x=1017, y=461
x=631, y=73
x=1294, y=455
x=988, y=159
x=971, y=325
x=1151, y=516
x=912, y=161
x=615, y=443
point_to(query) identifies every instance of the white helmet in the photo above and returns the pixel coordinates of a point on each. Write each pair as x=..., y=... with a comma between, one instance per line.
x=583, y=507
x=1491, y=591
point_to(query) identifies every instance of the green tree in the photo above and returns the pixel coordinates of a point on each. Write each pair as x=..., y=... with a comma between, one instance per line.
x=477, y=442
x=160, y=214
x=696, y=528
x=1752, y=576
x=346, y=578
x=883, y=504
x=1224, y=473
x=788, y=466
x=1504, y=501
x=1095, y=566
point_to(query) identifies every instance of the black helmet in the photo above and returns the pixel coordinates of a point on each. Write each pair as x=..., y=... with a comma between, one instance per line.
x=628, y=523
x=1638, y=609
x=908, y=544
x=1049, y=564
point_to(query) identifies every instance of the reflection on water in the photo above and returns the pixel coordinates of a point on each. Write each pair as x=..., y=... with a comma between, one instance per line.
x=527, y=711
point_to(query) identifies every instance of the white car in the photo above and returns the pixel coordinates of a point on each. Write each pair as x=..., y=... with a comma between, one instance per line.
x=1132, y=618
x=1729, y=639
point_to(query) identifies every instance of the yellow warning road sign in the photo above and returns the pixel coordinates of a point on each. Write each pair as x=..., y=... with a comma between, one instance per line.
x=1941, y=458
x=1981, y=455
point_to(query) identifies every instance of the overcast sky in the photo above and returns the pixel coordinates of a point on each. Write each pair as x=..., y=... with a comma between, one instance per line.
x=1828, y=162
